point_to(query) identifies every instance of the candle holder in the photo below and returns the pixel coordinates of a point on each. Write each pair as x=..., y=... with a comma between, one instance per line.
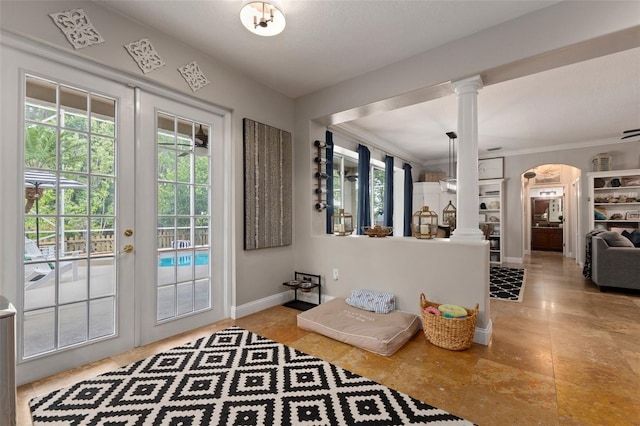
x=425, y=223
x=449, y=216
x=342, y=223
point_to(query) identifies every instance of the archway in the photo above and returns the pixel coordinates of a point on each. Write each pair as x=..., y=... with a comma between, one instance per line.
x=551, y=209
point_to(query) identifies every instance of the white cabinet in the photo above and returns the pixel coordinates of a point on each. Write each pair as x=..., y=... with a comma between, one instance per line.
x=490, y=216
x=614, y=199
x=429, y=194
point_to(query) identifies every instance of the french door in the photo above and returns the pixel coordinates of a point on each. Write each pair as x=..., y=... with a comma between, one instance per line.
x=114, y=217
x=180, y=255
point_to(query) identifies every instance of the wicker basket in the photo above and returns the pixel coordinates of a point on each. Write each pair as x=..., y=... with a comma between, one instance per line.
x=454, y=334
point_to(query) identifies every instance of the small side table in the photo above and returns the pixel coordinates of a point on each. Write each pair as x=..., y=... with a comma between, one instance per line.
x=305, y=283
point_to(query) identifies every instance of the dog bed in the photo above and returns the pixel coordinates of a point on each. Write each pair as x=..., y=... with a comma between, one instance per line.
x=383, y=334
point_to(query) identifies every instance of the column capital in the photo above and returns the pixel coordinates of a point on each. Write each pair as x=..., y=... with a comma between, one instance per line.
x=467, y=85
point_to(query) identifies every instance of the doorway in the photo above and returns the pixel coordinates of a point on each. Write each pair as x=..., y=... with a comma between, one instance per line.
x=121, y=231
x=550, y=204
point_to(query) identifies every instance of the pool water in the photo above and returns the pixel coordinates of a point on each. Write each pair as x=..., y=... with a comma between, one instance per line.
x=184, y=260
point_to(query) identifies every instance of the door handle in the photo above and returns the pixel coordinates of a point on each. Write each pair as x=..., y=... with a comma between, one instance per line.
x=127, y=249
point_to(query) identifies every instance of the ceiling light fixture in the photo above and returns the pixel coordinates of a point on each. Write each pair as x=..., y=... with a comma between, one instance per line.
x=450, y=183
x=264, y=18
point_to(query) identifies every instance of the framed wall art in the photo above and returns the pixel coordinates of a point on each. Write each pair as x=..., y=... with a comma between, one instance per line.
x=267, y=186
x=491, y=168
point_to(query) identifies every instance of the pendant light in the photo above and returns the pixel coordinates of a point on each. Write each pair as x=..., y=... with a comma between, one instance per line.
x=450, y=183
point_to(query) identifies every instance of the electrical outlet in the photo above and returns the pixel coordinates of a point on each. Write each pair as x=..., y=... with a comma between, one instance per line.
x=336, y=274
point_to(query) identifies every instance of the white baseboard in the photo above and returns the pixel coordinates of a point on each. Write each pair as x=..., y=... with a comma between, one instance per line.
x=275, y=300
x=260, y=305
x=483, y=335
x=512, y=260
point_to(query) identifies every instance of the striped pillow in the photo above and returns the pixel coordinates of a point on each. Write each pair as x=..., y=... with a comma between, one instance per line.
x=368, y=300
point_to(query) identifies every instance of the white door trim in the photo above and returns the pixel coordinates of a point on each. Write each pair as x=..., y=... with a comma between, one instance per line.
x=11, y=160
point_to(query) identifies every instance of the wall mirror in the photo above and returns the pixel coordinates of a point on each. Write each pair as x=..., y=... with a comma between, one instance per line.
x=546, y=211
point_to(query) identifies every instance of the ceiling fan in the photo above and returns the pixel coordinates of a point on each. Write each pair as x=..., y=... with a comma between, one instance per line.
x=630, y=133
x=200, y=143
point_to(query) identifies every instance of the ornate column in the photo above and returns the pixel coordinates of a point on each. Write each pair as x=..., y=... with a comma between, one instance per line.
x=467, y=162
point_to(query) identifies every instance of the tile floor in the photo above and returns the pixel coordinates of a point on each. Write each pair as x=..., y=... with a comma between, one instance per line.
x=567, y=355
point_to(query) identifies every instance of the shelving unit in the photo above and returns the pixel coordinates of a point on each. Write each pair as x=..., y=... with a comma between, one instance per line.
x=614, y=199
x=490, y=218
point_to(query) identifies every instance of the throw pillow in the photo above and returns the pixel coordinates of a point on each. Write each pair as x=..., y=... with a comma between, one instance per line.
x=381, y=303
x=614, y=239
x=634, y=237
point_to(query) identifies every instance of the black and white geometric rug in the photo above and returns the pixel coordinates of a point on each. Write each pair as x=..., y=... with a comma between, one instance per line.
x=506, y=283
x=233, y=377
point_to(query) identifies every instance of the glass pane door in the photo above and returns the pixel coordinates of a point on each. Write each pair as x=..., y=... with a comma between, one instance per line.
x=76, y=151
x=184, y=272
x=180, y=221
x=70, y=183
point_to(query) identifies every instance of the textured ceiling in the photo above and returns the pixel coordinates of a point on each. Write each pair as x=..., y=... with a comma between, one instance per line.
x=583, y=102
x=326, y=42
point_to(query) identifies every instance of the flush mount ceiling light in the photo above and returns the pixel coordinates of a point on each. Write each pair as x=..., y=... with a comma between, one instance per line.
x=450, y=183
x=265, y=18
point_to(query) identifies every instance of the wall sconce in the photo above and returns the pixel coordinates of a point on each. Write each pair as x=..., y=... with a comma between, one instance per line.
x=264, y=18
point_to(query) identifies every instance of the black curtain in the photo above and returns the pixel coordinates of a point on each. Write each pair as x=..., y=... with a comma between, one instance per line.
x=364, y=198
x=408, y=199
x=388, y=191
x=329, y=171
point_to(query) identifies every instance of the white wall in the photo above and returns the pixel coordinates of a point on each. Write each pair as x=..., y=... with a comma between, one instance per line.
x=259, y=273
x=625, y=156
x=563, y=25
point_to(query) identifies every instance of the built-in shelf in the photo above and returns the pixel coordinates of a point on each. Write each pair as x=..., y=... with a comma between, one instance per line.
x=616, y=196
x=491, y=196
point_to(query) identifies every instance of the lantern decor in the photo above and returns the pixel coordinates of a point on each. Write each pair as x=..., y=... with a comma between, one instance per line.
x=425, y=223
x=449, y=216
x=342, y=223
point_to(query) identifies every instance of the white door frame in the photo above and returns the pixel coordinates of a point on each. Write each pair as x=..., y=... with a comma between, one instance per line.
x=11, y=190
x=149, y=329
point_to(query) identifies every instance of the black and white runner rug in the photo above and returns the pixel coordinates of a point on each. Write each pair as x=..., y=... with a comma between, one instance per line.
x=506, y=283
x=233, y=377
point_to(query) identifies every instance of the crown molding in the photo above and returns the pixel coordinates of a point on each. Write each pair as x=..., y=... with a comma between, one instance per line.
x=359, y=135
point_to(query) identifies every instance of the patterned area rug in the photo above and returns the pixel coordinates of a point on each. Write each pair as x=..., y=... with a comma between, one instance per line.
x=233, y=377
x=506, y=283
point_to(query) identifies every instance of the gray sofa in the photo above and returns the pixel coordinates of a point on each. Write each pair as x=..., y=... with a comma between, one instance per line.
x=614, y=266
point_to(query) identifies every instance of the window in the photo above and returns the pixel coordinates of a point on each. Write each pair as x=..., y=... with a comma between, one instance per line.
x=70, y=189
x=377, y=195
x=184, y=275
x=345, y=185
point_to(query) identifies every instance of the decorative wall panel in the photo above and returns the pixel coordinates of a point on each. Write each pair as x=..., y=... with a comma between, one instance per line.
x=77, y=27
x=267, y=186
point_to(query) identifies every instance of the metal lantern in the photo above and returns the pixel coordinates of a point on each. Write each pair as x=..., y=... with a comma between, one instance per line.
x=425, y=223
x=342, y=223
x=449, y=216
